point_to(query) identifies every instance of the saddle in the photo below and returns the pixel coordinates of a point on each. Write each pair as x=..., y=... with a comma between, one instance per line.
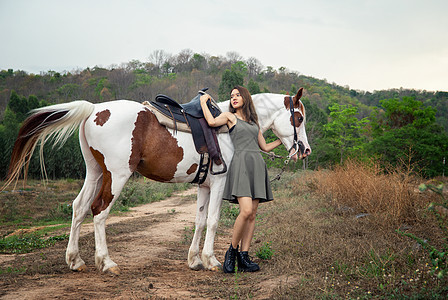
x=189, y=117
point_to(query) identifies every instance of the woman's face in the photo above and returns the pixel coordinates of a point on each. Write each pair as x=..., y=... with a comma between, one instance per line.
x=236, y=99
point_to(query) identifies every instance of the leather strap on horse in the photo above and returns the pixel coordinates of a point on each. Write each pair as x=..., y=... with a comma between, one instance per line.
x=174, y=119
x=201, y=174
x=291, y=110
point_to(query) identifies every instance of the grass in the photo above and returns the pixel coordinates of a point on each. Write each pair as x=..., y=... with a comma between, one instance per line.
x=28, y=242
x=265, y=251
x=368, y=189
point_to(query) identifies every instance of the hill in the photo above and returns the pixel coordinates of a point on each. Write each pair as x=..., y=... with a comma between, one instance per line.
x=181, y=75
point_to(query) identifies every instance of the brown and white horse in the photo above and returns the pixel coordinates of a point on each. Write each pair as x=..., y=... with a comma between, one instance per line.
x=120, y=137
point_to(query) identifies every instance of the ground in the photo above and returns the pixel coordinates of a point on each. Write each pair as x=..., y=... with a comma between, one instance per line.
x=150, y=245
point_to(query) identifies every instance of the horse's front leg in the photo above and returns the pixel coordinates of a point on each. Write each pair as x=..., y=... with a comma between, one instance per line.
x=208, y=256
x=194, y=261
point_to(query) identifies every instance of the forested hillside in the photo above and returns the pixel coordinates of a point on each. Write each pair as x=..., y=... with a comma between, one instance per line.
x=394, y=126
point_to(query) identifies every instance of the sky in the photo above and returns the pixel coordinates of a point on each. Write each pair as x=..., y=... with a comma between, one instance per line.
x=363, y=44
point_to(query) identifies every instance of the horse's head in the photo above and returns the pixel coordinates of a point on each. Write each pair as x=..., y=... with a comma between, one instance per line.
x=289, y=126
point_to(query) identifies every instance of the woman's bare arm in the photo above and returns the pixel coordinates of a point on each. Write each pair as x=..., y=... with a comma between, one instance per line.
x=225, y=118
x=267, y=147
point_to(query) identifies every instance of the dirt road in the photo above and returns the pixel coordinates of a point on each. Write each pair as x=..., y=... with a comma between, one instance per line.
x=150, y=245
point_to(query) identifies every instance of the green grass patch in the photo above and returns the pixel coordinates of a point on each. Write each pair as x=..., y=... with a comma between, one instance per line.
x=265, y=251
x=229, y=212
x=28, y=243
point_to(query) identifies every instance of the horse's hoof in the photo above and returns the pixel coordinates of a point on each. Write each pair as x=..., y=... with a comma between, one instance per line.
x=82, y=268
x=216, y=269
x=198, y=267
x=114, y=270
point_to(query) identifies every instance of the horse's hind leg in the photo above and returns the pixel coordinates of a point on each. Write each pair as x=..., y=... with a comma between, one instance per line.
x=194, y=261
x=81, y=205
x=113, y=183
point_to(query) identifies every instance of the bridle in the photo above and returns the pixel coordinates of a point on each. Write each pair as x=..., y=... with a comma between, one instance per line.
x=296, y=145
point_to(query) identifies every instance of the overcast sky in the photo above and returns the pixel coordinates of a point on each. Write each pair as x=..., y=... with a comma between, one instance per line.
x=364, y=44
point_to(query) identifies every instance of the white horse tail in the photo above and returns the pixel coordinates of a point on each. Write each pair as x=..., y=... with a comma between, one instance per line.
x=57, y=122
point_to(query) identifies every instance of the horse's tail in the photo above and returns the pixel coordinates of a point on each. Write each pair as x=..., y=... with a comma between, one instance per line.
x=57, y=122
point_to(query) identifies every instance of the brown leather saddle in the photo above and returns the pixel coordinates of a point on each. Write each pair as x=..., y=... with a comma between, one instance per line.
x=204, y=136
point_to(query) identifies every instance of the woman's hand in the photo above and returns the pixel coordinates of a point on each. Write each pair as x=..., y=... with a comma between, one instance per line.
x=204, y=98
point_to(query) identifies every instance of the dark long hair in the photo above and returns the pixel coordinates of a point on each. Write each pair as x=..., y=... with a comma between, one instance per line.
x=248, y=108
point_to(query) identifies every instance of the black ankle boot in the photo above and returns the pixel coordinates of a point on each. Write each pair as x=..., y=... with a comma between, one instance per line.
x=230, y=259
x=245, y=264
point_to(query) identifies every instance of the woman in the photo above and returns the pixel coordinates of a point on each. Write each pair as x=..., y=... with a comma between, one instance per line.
x=247, y=180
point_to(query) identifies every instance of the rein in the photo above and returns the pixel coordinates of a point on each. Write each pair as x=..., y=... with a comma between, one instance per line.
x=273, y=156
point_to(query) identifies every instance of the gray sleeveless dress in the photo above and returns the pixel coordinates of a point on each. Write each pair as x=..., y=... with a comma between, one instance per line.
x=247, y=175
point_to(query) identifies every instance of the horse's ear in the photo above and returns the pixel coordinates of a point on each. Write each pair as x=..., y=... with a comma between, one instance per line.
x=286, y=102
x=298, y=95
x=295, y=99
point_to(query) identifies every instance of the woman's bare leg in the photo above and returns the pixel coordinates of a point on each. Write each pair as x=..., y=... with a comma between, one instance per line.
x=241, y=223
x=248, y=233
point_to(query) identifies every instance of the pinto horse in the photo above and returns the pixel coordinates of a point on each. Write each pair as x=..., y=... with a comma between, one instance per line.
x=120, y=137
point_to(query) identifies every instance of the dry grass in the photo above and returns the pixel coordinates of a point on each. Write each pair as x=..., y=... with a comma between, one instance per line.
x=323, y=249
x=366, y=188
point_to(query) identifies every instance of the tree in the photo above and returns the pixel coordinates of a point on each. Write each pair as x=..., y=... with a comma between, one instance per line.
x=254, y=67
x=158, y=58
x=406, y=132
x=253, y=87
x=69, y=91
x=183, y=61
x=18, y=105
x=400, y=113
x=230, y=79
x=198, y=62
x=233, y=57
x=344, y=129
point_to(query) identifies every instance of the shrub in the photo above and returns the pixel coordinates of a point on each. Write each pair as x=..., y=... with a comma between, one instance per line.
x=368, y=188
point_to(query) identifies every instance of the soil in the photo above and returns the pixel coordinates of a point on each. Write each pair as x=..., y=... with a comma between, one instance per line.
x=150, y=245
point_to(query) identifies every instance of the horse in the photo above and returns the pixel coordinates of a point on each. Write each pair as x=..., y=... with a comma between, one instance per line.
x=120, y=137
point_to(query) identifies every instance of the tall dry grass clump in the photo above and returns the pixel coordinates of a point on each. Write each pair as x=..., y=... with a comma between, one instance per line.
x=366, y=187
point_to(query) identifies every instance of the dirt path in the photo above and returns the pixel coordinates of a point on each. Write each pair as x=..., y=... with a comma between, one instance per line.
x=149, y=244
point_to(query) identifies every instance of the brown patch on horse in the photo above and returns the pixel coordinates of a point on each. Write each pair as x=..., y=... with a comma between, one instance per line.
x=155, y=153
x=298, y=119
x=104, y=197
x=102, y=117
x=192, y=169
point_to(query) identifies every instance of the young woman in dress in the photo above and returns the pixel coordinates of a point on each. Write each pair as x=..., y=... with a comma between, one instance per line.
x=247, y=178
